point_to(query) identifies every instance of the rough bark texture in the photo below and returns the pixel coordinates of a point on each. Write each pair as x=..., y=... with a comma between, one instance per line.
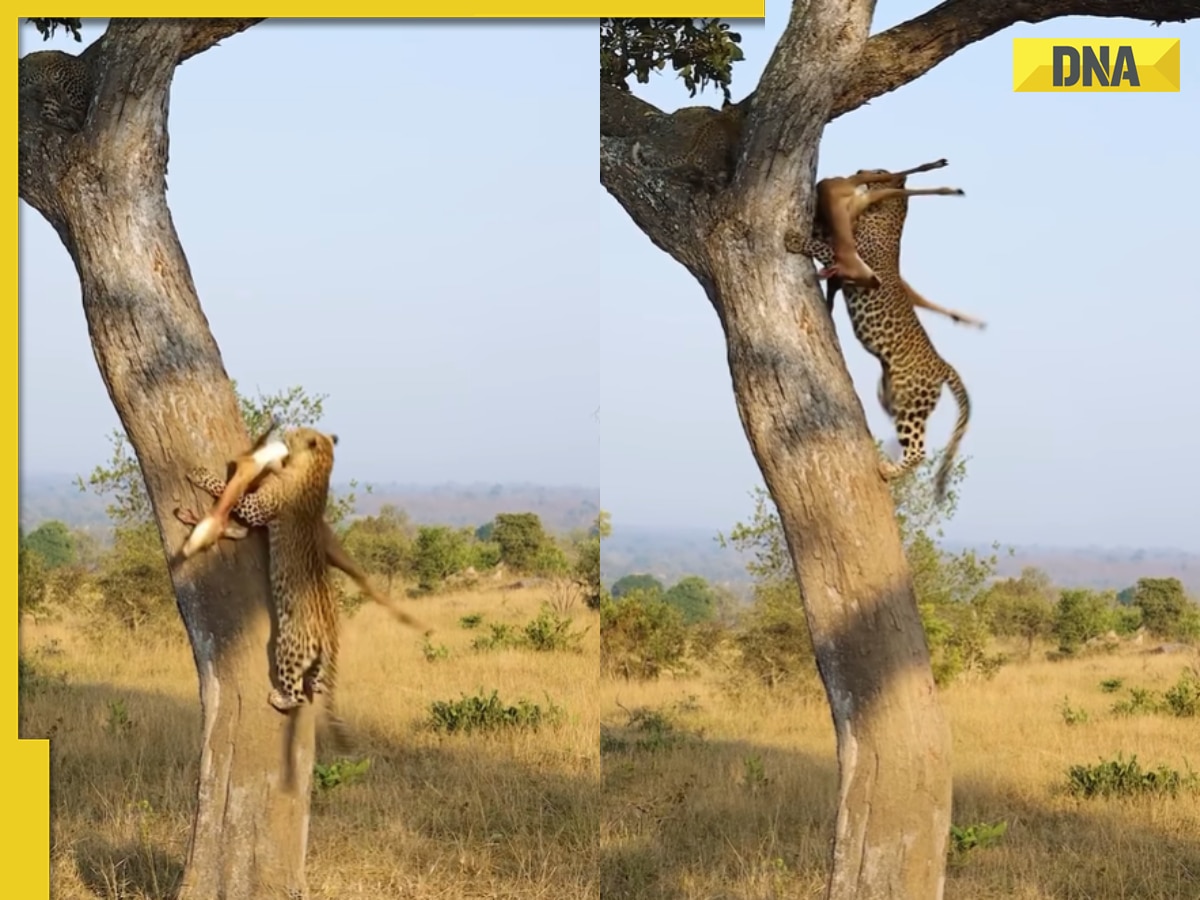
x=797, y=404
x=104, y=191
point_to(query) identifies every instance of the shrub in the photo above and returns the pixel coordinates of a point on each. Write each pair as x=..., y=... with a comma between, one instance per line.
x=1182, y=699
x=550, y=631
x=343, y=771
x=1142, y=701
x=1126, y=778
x=970, y=837
x=1073, y=715
x=641, y=636
x=489, y=713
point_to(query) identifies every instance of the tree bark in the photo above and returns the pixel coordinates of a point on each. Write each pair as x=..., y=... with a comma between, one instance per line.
x=797, y=404
x=104, y=191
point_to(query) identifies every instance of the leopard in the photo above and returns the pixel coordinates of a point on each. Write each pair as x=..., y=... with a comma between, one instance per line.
x=712, y=152
x=886, y=324
x=292, y=508
x=260, y=465
x=62, y=86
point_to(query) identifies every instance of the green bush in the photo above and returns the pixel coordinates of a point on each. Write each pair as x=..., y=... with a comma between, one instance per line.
x=971, y=837
x=547, y=632
x=641, y=636
x=343, y=771
x=489, y=713
x=1073, y=715
x=1126, y=778
x=1183, y=698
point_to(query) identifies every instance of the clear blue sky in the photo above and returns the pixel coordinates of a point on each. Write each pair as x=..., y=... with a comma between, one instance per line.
x=400, y=216
x=1076, y=244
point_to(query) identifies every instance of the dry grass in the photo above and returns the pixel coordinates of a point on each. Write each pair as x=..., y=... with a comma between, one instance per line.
x=737, y=800
x=470, y=816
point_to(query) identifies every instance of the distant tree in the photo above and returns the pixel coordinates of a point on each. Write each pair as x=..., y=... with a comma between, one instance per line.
x=134, y=584
x=382, y=544
x=32, y=577
x=1166, y=610
x=521, y=538
x=641, y=636
x=484, y=531
x=1081, y=615
x=440, y=551
x=482, y=555
x=1022, y=607
x=694, y=597
x=587, y=561
x=643, y=582
x=53, y=542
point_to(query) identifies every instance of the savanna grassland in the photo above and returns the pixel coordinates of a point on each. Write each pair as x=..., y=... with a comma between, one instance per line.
x=507, y=813
x=718, y=791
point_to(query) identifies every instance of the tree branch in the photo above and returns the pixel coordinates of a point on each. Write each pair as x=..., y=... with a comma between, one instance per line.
x=899, y=55
x=661, y=208
x=131, y=68
x=203, y=34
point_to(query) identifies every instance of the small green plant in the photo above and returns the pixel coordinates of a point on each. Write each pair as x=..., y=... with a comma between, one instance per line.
x=1141, y=701
x=1073, y=715
x=754, y=774
x=652, y=730
x=342, y=771
x=502, y=637
x=118, y=717
x=551, y=631
x=489, y=713
x=1126, y=778
x=970, y=837
x=434, y=652
x=1111, y=685
x=1182, y=699
x=471, y=621
x=548, y=632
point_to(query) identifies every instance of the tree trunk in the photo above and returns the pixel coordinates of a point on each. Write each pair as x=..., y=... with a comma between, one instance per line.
x=807, y=431
x=104, y=191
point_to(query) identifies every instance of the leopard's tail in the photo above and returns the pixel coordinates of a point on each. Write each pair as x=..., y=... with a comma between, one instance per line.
x=959, y=390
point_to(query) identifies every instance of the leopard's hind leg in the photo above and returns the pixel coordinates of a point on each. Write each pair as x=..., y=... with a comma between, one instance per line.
x=910, y=407
x=295, y=656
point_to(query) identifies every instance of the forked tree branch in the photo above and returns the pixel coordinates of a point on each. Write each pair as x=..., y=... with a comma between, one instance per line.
x=203, y=34
x=131, y=67
x=902, y=54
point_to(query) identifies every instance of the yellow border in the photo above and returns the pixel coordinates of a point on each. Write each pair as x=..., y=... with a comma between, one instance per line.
x=529, y=9
x=27, y=843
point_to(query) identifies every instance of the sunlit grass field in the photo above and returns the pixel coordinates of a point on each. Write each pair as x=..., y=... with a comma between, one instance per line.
x=710, y=796
x=506, y=815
